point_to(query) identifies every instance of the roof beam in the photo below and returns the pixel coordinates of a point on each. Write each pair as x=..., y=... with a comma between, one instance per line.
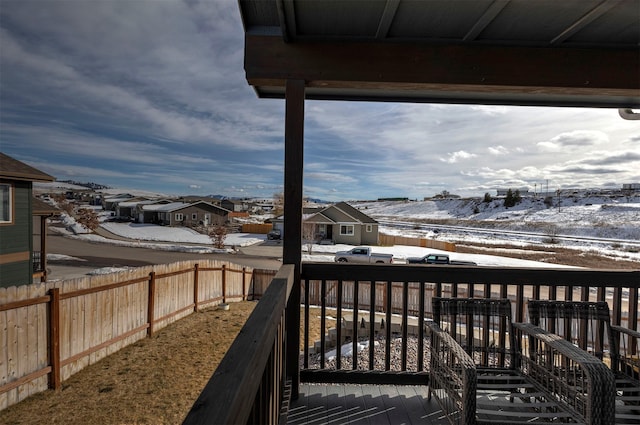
x=386, y=20
x=287, y=19
x=592, y=15
x=400, y=72
x=489, y=15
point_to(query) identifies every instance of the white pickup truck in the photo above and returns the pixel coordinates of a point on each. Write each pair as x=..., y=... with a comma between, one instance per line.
x=362, y=255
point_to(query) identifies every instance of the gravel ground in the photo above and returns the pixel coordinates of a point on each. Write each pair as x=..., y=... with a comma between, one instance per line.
x=379, y=356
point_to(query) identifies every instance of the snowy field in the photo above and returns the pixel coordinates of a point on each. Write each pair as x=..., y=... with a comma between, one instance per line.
x=615, y=217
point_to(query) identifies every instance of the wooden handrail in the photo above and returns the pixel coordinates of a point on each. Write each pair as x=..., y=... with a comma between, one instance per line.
x=229, y=395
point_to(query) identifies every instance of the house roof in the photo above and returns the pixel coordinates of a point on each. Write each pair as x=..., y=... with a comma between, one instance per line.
x=177, y=206
x=354, y=212
x=317, y=218
x=129, y=203
x=548, y=52
x=39, y=207
x=322, y=217
x=165, y=207
x=11, y=168
x=207, y=206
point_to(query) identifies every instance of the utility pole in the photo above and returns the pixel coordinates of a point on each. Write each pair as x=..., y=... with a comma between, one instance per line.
x=558, y=192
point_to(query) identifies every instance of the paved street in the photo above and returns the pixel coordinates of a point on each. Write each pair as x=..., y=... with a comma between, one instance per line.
x=98, y=255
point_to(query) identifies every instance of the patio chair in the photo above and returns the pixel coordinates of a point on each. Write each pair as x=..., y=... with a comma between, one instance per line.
x=588, y=324
x=486, y=369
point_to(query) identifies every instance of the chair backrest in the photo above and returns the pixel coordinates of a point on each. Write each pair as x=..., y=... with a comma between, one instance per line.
x=586, y=324
x=481, y=326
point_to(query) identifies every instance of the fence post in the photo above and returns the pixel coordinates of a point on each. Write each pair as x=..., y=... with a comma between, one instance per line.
x=244, y=284
x=224, y=283
x=151, y=303
x=54, y=338
x=195, y=287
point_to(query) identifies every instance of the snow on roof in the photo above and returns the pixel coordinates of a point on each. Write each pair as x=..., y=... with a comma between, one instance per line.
x=136, y=203
x=165, y=207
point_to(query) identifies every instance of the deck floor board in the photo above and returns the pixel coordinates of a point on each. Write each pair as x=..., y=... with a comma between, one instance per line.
x=363, y=405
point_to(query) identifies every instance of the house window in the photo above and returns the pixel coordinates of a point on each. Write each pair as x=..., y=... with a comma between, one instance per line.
x=346, y=229
x=6, y=203
x=369, y=228
x=194, y=216
x=179, y=217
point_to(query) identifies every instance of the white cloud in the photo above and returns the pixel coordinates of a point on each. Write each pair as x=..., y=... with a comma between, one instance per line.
x=457, y=156
x=576, y=138
x=498, y=150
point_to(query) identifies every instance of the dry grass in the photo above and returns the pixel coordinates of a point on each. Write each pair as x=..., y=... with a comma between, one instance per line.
x=552, y=255
x=154, y=381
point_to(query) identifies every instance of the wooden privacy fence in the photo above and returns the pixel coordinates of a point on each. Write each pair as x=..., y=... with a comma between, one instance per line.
x=260, y=228
x=49, y=331
x=382, y=297
x=389, y=240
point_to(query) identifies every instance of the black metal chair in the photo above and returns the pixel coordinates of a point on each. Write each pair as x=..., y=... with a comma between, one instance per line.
x=588, y=325
x=486, y=369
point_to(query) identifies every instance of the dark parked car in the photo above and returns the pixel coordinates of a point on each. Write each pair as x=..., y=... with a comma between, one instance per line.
x=274, y=235
x=438, y=259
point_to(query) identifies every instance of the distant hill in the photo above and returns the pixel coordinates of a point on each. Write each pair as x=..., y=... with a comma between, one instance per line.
x=88, y=185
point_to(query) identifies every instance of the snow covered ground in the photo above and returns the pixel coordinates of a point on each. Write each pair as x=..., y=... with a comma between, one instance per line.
x=186, y=240
x=594, y=216
x=614, y=219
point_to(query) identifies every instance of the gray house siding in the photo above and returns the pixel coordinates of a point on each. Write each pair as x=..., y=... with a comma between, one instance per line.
x=352, y=239
x=16, y=240
x=196, y=215
x=369, y=238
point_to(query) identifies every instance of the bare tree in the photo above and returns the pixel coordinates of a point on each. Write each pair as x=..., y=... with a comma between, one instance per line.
x=218, y=234
x=63, y=203
x=278, y=204
x=308, y=236
x=88, y=218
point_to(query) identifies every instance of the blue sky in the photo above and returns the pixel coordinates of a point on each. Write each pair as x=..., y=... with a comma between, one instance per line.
x=152, y=95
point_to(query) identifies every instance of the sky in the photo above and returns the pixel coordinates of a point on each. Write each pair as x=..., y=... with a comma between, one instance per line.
x=152, y=95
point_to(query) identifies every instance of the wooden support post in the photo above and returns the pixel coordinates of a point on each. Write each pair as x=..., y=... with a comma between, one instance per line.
x=54, y=339
x=292, y=253
x=151, y=303
x=43, y=248
x=195, y=287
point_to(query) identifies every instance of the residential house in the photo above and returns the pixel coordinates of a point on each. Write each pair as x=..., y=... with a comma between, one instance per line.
x=341, y=223
x=234, y=205
x=192, y=199
x=183, y=214
x=127, y=209
x=338, y=223
x=109, y=203
x=16, y=220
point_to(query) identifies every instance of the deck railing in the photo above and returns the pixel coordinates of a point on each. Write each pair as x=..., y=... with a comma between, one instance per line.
x=393, y=302
x=398, y=297
x=249, y=384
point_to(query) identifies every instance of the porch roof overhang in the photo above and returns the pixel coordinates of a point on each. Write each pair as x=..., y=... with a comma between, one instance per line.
x=513, y=52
